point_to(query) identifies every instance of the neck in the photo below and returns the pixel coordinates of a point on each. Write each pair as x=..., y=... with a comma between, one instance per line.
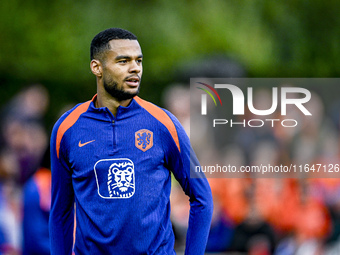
x=104, y=99
x=110, y=102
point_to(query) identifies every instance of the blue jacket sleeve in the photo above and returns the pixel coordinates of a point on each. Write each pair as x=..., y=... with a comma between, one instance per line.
x=182, y=163
x=61, y=221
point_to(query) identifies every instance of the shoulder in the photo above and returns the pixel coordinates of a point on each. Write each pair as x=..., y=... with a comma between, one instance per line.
x=166, y=118
x=66, y=121
x=71, y=116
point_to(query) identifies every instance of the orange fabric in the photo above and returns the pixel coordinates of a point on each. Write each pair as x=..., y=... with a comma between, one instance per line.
x=232, y=194
x=284, y=204
x=312, y=220
x=43, y=180
x=288, y=203
x=277, y=200
x=160, y=115
x=69, y=122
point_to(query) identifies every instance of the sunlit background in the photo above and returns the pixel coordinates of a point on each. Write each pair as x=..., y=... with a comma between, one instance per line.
x=44, y=70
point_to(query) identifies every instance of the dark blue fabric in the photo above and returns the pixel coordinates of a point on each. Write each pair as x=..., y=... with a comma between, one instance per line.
x=35, y=222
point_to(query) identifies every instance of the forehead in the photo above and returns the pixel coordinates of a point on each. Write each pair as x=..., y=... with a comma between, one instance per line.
x=124, y=47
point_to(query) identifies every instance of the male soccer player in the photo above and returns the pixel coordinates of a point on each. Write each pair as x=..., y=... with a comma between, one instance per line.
x=112, y=156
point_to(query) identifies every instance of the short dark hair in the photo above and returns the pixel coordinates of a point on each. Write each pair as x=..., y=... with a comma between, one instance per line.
x=100, y=42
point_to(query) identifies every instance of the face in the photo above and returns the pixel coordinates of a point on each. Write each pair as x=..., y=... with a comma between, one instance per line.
x=122, y=69
x=123, y=178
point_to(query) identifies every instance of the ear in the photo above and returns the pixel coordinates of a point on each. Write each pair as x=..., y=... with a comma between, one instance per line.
x=96, y=67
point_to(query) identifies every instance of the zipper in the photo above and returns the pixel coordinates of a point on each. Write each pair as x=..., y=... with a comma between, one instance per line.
x=114, y=138
x=113, y=122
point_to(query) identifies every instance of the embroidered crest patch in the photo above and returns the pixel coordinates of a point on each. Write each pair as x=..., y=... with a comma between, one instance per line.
x=144, y=139
x=115, y=178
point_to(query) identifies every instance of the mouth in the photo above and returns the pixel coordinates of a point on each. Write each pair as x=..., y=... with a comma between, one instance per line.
x=132, y=81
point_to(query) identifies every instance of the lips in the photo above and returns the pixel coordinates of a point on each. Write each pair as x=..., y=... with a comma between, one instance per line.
x=132, y=81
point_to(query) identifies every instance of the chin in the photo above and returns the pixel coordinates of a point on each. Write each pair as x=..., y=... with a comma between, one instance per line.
x=133, y=91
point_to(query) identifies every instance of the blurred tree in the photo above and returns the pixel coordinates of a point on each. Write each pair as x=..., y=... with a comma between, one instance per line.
x=48, y=41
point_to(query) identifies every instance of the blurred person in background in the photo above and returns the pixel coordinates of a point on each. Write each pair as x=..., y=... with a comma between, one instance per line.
x=37, y=202
x=23, y=132
x=10, y=202
x=254, y=235
x=221, y=230
x=23, y=141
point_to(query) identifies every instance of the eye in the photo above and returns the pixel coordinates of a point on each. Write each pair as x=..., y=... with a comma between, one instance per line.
x=123, y=61
x=139, y=61
x=116, y=171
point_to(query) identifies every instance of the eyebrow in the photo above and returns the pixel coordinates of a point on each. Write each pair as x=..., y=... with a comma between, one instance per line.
x=127, y=57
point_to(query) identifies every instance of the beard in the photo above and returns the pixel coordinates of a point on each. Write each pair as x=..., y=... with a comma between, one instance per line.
x=111, y=87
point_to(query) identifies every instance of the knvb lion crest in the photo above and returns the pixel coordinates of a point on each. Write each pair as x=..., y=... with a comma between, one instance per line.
x=121, y=179
x=115, y=178
x=144, y=139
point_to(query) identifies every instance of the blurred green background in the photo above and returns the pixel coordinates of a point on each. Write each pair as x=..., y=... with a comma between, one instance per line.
x=48, y=42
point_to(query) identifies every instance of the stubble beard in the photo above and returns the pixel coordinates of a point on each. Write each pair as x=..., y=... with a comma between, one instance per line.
x=111, y=87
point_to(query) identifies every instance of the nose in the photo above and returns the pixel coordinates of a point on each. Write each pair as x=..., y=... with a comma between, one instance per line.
x=135, y=67
x=122, y=178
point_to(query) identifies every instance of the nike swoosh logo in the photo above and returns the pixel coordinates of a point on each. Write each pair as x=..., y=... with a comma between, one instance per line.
x=83, y=144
